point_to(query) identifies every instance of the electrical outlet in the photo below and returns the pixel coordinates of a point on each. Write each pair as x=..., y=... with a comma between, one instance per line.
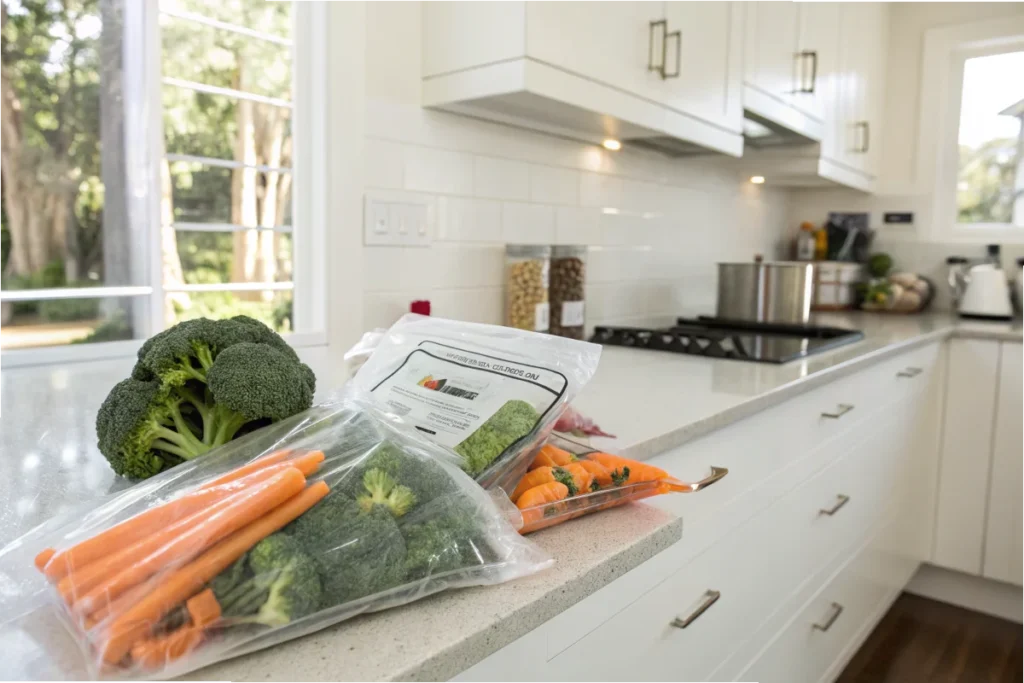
x=398, y=219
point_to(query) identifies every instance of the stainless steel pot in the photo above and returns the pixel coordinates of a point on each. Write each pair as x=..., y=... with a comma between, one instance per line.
x=766, y=291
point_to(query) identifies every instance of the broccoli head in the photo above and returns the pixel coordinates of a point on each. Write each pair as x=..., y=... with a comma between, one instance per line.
x=448, y=533
x=512, y=421
x=382, y=490
x=357, y=553
x=276, y=584
x=425, y=477
x=196, y=386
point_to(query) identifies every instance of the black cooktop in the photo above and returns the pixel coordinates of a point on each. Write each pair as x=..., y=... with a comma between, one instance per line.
x=736, y=339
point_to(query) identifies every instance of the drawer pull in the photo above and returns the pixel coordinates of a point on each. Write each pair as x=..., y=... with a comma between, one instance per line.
x=716, y=474
x=909, y=372
x=841, y=409
x=837, y=609
x=710, y=598
x=841, y=500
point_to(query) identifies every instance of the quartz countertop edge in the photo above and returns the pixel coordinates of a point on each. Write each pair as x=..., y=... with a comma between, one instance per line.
x=442, y=635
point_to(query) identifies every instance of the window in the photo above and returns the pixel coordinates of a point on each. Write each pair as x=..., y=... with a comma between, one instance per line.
x=148, y=168
x=989, y=140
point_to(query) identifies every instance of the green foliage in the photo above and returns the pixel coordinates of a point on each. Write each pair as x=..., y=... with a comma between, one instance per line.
x=510, y=423
x=191, y=391
x=225, y=305
x=986, y=175
x=114, y=328
x=879, y=264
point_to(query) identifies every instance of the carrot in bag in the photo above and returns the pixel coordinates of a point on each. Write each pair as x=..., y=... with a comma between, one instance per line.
x=582, y=479
x=541, y=475
x=552, y=456
x=181, y=584
x=179, y=542
x=629, y=471
x=602, y=475
x=203, y=608
x=155, y=653
x=144, y=524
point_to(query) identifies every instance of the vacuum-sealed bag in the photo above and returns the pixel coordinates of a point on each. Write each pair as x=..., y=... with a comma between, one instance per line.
x=491, y=394
x=340, y=510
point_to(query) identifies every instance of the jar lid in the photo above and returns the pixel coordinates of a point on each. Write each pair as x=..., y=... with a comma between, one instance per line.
x=528, y=250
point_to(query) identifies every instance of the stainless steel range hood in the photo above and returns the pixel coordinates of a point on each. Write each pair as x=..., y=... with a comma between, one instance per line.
x=761, y=133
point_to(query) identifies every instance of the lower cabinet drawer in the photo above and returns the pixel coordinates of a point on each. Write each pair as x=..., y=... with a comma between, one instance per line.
x=817, y=642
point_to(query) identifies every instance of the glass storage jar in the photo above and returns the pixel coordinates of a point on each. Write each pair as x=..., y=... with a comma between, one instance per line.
x=568, y=274
x=527, y=268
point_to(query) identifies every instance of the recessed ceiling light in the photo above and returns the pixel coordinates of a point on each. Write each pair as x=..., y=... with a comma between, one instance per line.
x=613, y=145
x=757, y=179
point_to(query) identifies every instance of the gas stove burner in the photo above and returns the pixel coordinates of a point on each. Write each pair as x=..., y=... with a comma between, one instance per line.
x=735, y=339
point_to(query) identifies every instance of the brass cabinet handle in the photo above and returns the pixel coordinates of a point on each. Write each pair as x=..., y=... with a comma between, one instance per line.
x=662, y=67
x=909, y=372
x=841, y=500
x=841, y=409
x=813, y=55
x=710, y=598
x=717, y=473
x=837, y=609
x=866, y=127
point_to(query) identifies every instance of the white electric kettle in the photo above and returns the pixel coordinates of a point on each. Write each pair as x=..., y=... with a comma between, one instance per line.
x=985, y=293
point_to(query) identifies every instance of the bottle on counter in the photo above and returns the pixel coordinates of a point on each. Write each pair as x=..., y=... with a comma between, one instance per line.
x=821, y=243
x=806, y=242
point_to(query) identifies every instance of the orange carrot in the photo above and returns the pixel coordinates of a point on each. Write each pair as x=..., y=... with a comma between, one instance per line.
x=203, y=608
x=541, y=475
x=545, y=493
x=637, y=471
x=156, y=653
x=44, y=557
x=118, y=606
x=137, y=528
x=182, y=541
x=602, y=475
x=249, y=468
x=552, y=456
x=129, y=627
x=582, y=479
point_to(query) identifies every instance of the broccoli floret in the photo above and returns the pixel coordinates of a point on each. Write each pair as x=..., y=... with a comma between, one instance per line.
x=356, y=553
x=196, y=386
x=510, y=423
x=280, y=586
x=445, y=535
x=426, y=478
x=381, y=489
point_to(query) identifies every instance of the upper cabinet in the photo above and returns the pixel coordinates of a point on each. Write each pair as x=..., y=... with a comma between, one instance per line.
x=662, y=74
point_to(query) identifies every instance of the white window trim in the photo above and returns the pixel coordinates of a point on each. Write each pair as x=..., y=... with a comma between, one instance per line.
x=945, y=51
x=310, y=82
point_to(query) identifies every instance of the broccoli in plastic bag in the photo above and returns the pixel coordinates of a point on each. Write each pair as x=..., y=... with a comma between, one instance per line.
x=340, y=510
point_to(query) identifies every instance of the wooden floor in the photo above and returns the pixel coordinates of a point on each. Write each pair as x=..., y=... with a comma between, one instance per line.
x=924, y=641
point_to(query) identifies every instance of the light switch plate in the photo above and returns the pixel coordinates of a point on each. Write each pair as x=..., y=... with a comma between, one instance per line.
x=397, y=218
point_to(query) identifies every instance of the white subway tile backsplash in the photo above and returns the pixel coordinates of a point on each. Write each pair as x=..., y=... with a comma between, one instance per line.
x=500, y=179
x=600, y=190
x=438, y=170
x=468, y=220
x=481, y=305
x=395, y=269
x=550, y=185
x=466, y=266
x=577, y=225
x=384, y=164
x=527, y=223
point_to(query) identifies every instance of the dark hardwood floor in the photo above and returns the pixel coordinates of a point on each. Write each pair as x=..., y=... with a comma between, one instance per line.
x=924, y=641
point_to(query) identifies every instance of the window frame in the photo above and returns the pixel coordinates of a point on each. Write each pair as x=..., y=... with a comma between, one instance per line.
x=144, y=146
x=946, y=49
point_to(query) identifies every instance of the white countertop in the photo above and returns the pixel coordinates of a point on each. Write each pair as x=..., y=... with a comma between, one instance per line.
x=653, y=400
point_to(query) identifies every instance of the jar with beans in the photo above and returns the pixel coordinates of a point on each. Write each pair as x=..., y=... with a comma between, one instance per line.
x=527, y=267
x=568, y=268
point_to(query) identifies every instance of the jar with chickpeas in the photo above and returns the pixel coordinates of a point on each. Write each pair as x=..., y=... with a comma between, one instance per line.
x=527, y=270
x=568, y=269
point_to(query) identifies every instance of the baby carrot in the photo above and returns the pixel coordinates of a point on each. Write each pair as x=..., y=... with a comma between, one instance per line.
x=582, y=479
x=181, y=542
x=602, y=475
x=541, y=475
x=638, y=471
x=545, y=493
x=156, y=653
x=182, y=583
x=552, y=456
x=44, y=557
x=203, y=608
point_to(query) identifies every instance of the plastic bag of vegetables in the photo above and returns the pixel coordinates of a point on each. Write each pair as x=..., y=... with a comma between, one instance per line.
x=491, y=394
x=340, y=510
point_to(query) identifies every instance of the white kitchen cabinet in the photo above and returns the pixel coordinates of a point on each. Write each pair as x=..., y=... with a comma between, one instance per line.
x=1003, y=529
x=584, y=69
x=861, y=86
x=965, y=457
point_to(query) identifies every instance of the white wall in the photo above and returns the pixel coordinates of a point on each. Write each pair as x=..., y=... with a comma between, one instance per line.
x=900, y=189
x=655, y=227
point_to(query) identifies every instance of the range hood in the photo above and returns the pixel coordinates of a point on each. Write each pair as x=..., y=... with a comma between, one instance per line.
x=762, y=133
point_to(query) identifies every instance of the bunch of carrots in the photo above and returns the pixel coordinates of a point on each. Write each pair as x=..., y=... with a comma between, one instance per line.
x=556, y=475
x=139, y=589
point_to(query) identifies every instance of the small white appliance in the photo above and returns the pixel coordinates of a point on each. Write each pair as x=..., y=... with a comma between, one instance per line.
x=985, y=293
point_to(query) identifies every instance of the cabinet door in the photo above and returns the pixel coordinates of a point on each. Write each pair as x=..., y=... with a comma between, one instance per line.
x=770, y=61
x=877, y=30
x=609, y=42
x=966, y=454
x=817, y=45
x=709, y=85
x=851, y=85
x=1004, y=529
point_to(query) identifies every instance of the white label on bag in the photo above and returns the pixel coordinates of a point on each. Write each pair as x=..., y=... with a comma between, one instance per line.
x=448, y=393
x=572, y=314
x=541, y=317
